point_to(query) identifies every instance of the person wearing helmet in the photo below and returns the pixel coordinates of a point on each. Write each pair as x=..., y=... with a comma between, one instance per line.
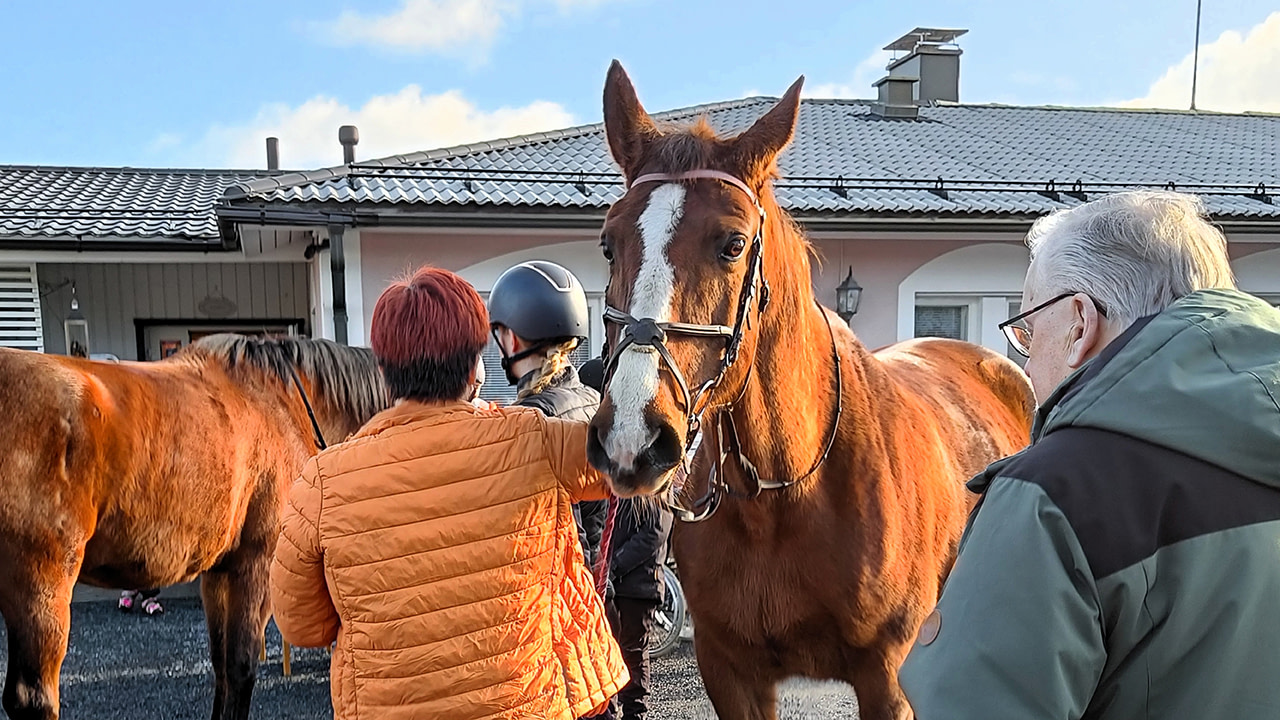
x=538, y=316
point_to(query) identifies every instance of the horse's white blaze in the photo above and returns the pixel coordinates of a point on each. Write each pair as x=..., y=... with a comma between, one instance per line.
x=635, y=381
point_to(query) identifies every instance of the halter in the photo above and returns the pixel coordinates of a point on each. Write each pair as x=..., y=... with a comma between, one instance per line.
x=647, y=332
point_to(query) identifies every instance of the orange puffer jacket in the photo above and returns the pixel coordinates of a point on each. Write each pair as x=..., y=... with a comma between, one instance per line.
x=438, y=548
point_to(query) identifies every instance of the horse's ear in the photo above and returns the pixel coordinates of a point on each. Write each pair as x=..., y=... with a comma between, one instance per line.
x=756, y=149
x=626, y=124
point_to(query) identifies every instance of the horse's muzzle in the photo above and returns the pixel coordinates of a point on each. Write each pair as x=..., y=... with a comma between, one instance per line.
x=643, y=474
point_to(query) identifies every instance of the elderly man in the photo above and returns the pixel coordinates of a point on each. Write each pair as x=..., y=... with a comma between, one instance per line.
x=1127, y=564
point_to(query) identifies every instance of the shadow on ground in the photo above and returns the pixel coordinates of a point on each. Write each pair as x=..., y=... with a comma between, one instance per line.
x=132, y=666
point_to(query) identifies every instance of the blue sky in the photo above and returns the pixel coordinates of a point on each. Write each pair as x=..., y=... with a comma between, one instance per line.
x=140, y=83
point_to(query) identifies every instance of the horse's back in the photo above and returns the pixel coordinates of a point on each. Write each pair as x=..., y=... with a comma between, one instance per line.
x=980, y=391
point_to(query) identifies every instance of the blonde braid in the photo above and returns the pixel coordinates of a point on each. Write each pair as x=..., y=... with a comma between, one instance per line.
x=554, y=360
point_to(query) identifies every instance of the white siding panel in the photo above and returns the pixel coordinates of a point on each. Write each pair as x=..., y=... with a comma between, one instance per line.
x=20, y=308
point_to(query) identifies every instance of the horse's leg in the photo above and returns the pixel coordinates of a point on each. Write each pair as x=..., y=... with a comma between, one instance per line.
x=739, y=687
x=215, y=591
x=874, y=677
x=247, y=571
x=240, y=631
x=36, y=605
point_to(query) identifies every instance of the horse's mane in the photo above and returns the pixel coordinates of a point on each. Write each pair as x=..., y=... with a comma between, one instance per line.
x=344, y=377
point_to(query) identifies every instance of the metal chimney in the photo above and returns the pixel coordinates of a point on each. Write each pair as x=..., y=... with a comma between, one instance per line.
x=273, y=153
x=349, y=137
x=931, y=67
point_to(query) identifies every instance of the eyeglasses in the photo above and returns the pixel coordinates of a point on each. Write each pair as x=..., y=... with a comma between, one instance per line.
x=1019, y=335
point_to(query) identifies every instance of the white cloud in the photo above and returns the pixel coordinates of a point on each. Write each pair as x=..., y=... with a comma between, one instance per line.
x=1237, y=73
x=867, y=72
x=403, y=122
x=449, y=27
x=444, y=26
x=164, y=142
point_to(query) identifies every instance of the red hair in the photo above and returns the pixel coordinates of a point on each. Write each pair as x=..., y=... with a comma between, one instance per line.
x=432, y=317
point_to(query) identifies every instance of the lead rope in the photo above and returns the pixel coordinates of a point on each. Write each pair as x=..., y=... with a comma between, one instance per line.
x=601, y=569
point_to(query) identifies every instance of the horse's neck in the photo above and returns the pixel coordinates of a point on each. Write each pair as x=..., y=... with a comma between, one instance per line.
x=785, y=417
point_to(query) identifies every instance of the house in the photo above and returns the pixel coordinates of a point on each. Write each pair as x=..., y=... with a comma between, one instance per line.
x=140, y=252
x=918, y=199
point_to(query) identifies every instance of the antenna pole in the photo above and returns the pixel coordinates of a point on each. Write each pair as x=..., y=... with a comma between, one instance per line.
x=1195, y=62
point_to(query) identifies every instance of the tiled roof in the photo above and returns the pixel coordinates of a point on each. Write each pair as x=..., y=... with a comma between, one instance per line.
x=992, y=160
x=88, y=204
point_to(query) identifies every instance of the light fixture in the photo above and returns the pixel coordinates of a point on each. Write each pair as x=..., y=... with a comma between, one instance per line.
x=315, y=247
x=848, y=295
x=76, y=328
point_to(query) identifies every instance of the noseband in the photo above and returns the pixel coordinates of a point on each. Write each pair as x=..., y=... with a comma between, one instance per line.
x=650, y=333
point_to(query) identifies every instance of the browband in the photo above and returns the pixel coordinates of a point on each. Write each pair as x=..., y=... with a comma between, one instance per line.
x=697, y=175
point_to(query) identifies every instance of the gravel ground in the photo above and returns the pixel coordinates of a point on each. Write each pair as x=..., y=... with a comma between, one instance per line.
x=132, y=666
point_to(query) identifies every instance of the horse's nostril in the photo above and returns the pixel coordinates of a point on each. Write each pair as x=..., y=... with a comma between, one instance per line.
x=596, y=454
x=665, y=452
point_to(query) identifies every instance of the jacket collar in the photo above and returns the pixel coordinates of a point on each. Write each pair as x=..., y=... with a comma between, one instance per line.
x=1066, y=390
x=405, y=412
x=566, y=378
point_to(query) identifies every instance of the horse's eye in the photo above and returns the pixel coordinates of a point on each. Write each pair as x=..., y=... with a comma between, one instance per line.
x=606, y=248
x=734, y=247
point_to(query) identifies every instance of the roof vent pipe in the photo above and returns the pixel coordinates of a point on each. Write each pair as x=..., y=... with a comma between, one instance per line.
x=349, y=136
x=273, y=153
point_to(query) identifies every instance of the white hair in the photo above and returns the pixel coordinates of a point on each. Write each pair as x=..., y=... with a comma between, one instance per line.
x=1134, y=252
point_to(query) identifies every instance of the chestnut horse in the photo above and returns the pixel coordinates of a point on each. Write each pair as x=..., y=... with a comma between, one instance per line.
x=138, y=475
x=830, y=477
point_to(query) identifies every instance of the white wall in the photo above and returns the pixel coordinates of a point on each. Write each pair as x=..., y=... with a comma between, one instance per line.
x=1259, y=273
x=582, y=258
x=985, y=275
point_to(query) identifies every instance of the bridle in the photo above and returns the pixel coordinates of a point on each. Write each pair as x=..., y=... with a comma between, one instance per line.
x=306, y=402
x=650, y=333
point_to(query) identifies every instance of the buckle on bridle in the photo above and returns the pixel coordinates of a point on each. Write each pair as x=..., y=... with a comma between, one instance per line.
x=646, y=332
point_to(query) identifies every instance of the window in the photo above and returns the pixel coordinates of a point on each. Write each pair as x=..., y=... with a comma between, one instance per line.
x=947, y=321
x=1015, y=307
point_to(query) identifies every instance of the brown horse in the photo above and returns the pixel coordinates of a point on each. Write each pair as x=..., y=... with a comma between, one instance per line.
x=830, y=477
x=137, y=475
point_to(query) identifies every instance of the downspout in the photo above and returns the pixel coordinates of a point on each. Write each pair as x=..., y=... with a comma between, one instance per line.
x=338, y=269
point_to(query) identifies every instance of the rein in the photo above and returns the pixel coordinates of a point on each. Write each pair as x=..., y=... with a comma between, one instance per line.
x=306, y=402
x=650, y=333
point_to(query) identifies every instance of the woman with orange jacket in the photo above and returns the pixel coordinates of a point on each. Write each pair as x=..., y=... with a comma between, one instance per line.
x=438, y=545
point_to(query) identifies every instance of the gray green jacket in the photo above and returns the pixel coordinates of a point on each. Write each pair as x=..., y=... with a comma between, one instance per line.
x=1127, y=564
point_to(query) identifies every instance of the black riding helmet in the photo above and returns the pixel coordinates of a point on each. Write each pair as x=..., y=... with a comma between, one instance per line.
x=541, y=302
